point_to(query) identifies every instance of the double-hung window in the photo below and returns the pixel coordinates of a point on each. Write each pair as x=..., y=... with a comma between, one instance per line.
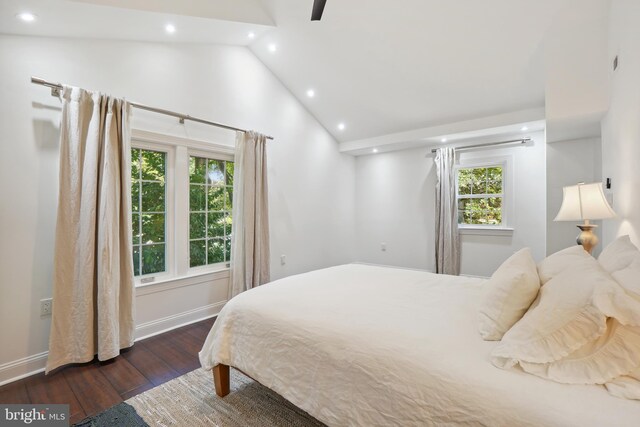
x=480, y=194
x=181, y=197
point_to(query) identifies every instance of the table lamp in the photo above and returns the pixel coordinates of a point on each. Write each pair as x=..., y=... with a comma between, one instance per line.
x=585, y=202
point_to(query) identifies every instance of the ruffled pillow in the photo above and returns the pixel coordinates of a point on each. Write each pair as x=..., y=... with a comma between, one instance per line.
x=583, y=329
x=611, y=356
x=562, y=320
x=618, y=255
x=626, y=386
x=508, y=295
x=555, y=264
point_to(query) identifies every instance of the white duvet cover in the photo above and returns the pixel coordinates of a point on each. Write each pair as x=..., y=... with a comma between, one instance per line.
x=376, y=346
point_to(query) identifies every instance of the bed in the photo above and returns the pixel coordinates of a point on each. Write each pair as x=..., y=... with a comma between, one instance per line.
x=378, y=346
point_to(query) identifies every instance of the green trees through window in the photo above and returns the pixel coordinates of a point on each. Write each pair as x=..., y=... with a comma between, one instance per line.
x=210, y=198
x=480, y=195
x=148, y=210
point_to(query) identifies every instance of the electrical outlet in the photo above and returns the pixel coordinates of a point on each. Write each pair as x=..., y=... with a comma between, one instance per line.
x=383, y=247
x=283, y=259
x=45, y=306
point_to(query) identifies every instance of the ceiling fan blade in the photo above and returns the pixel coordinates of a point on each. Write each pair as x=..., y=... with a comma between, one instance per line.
x=318, y=8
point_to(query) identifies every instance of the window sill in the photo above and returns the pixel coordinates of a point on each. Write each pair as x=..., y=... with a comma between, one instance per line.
x=485, y=231
x=166, y=284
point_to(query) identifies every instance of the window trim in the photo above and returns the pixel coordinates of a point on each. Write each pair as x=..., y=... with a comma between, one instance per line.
x=178, y=150
x=508, y=196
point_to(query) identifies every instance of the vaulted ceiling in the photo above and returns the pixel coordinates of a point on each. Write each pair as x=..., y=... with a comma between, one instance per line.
x=381, y=67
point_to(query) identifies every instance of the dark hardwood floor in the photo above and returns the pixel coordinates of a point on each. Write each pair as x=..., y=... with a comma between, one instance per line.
x=92, y=387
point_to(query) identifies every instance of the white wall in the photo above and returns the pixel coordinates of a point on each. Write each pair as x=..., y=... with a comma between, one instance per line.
x=312, y=188
x=568, y=163
x=621, y=125
x=395, y=199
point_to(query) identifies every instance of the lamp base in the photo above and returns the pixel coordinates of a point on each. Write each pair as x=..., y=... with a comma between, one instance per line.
x=587, y=237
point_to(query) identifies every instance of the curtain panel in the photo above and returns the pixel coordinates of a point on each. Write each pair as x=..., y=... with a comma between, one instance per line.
x=250, y=253
x=93, y=283
x=447, y=236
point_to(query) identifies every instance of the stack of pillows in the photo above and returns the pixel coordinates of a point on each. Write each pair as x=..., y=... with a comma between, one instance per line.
x=571, y=318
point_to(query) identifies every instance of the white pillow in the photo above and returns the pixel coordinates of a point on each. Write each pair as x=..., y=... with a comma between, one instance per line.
x=627, y=386
x=508, y=295
x=556, y=263
x=618, y=254
x=583, y=329
x=610, y=356
x=563, y=319
x=629, y=277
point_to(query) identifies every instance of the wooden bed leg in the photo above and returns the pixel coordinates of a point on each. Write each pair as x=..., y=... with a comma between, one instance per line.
x=221, y=379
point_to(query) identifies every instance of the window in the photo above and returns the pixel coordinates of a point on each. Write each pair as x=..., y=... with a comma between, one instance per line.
x=181, y=192
x=148, y=196
x=210, y=197
x=480, y=192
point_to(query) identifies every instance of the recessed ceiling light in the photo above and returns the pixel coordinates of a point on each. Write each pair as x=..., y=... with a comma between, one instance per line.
x=375, y=150
x=273, y=47
x=524, y=128
x=341, y=126
x=443, y=140
x=251, y=35
x=311, y=93
x=170, y=28
x=26, y=16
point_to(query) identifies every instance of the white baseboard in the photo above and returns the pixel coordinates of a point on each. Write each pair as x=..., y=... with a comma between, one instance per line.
x=30, y=365
x=158, y=326
x=21, y=368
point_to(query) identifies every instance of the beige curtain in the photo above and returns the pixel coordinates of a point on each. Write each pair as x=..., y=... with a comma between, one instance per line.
x=93, y=271
x=447, y=237
x=250, y=255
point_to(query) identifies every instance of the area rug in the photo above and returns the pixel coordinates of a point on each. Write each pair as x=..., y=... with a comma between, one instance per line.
x=190, y=400
x=118, y=415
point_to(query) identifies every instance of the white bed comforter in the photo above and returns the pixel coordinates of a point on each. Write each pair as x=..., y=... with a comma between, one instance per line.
x=375, y=346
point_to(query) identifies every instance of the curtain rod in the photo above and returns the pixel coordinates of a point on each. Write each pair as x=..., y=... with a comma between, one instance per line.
x=464, y=147
x=56, y=87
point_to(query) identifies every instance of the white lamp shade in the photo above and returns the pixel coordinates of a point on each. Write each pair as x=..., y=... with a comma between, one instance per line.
x=584, y=202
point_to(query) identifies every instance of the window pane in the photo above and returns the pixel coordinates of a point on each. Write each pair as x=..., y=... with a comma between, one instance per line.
x=229, y=166
x=216, y=224
x=216, y=251
x=197, y=225
x=135, y=163
x=152, y=197
x=197, y=253
x=216, y=199
x=152, y=259
x=135, y=197
x=153, y=165
x=215, y=172
x=136, y=260
x=494, y=173
x=135, y=222
x=197, y=197
x=152, y=228
x=494, y=187
x=197, y=169
x=464, y=187
x=478, y=181
x=228, y=222
x=228, y=199
x=227, y=248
